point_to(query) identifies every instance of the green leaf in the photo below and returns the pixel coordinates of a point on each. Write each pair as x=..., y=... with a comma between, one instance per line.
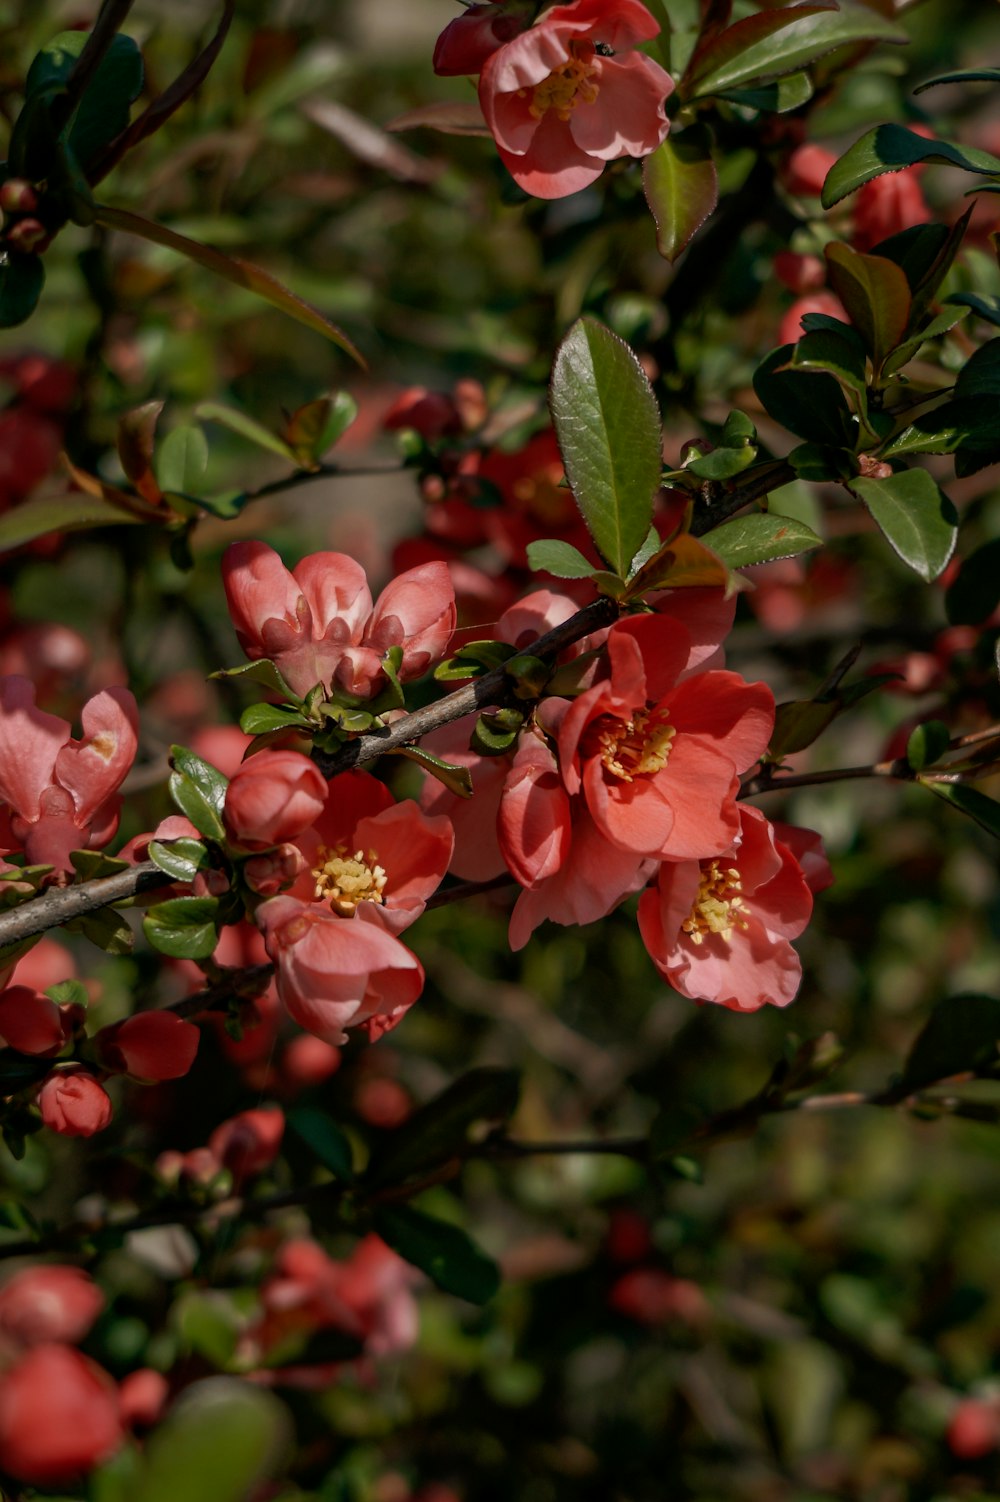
x=980, y=375
x=474, y=659
x=798, y=723
x=448, y=1257
x=184, y=927
x=759, y=538
x=608, y=426
x=208, y=1325
x=242, y=273
x=69, y=993
x=903, y=353
x=969, y=423
x=985, y=308
x=258, y=719
x=975, y=593
x=788, y=93
x=964, y=75
x=182, y=460
x=927, y=744
x=103, y=111
x=199, y=791
x=21, y=280
x=681, y=187
x=890, y=148
x=264, y=672
x=89, y=865
x=317, y=426
x=916, y=517
x=961, y=1035
x=457, y=780
x=321, y=1133
x=816, y=409
x=985, y=811
x=65, y=513
x=775, y=42
x=246, y=427
x=876, y=294
x=221, y=1441
x=841, y=356
x=106, y=928
x=442, y=1129
x=551, y=556
x=722, y=463
x=181, y=859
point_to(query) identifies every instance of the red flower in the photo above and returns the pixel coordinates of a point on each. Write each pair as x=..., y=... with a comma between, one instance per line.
x=272, y=798
x=44, y=1304
x=248, y=1143
x=471, y=38
x=317, y=624
x=62, y=794
x=32, y=1023
x=74, y=1104
x=142, y=1397
x=59, y=1416
x=571, y=94
x=151, y=1046
x=719, y=930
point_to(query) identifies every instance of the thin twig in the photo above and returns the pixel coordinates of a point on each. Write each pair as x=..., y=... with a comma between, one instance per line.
x=61, y=905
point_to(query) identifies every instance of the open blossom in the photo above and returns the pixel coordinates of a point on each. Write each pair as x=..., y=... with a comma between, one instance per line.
x=656, y=754
x=318, y=625
x=720, y=929
x=570, y=94
x=58, y=794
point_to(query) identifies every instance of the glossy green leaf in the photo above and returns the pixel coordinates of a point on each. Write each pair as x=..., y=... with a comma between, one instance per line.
x=182, y=460
x=984, y=811
x=183, y=927
x=220, y=1442
x=246, y=426
x=841, y=356
x=199, y=791
x=974, y=595
x=91, y=865
x=946, y=320
x=608, y=426
x=318, y=425
x=681, y=187
x=457, y=780
x=22, y=278
x=961, y=1035
x=816, y=409
x=69, y=993
x=772, y=43
x=474, y=659
x=181, y=859
x=890, y=148
x=760, y=537
x=980, y=375
x=788, y=93
x=551, y=556
x=258, y=719
x=263, y=671
x=242, y=273
x=448, y=1257
x=953, y=425
x=325, y=1138
x=106, y=928
x=797, y=724
x=927, y=744
x=103, y=111
x=876, y=294
x=442, y=1129
x=964, y=75
x=722, y=463
x=986, y=308
x=915, y=516
x=64, y=513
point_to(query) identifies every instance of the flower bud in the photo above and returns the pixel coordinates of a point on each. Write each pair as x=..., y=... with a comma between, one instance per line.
x=31, y=1022
x=272, y=798
x=142, y=1397
x=151, y=1046
x=44, y=1304
x=275, y=871
x=29, y=236
x=248, y=1143
x=17, y=196
x=74, y=1104
x=58, y=1416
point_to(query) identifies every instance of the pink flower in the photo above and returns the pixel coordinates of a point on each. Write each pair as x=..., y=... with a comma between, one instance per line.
x=74, y=1104
x=472, y=37
x=887, y=205
x=272, y=798
x=720, y=929
x=59, y=1416
x=790, y=329
x=62, y=794
x=248, y=1143
x=804, y=173
x=142, y=1397
x=571, y=94
x=31, y=1022
x=655, y=754
x=150, y=1046
x=317, y=624
x=333, y=974
x=42, y=1304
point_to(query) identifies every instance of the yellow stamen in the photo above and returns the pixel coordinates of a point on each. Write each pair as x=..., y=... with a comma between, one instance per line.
x=629, y=748
x=718, y=908
x=565, y=88
x=345, y=880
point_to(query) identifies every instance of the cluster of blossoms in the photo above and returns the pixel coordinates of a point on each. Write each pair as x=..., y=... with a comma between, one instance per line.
x=563, y=96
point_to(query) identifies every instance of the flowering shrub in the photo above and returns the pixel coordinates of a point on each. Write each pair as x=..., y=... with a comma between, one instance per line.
x=595, y=688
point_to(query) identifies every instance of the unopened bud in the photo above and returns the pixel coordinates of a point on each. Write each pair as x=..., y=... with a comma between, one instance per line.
x=17, y=196
x=28, y=236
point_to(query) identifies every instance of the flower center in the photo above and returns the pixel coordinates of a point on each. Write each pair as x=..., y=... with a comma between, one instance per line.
x=630, y=748
x=718, y=907
x=563, y=90
x=345, y=880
